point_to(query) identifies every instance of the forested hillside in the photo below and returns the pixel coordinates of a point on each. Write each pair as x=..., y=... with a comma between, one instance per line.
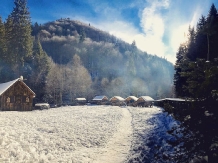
x=115, y=67
x=65, y=59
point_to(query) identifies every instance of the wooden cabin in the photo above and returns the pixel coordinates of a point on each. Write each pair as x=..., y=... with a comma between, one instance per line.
x=117, y=101
x=145, y=101
x=131, y=101
x=16, y=96
x=80, y=101
x=100, y=100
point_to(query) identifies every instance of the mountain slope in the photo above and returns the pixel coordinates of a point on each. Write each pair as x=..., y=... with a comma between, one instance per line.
x=115, y=67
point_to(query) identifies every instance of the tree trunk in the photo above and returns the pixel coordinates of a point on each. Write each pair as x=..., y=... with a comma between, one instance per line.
x=208, y=47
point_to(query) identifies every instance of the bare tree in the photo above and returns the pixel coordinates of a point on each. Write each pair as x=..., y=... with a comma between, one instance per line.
x=80, y=79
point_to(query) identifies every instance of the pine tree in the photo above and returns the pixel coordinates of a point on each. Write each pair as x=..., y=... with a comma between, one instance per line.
x=5, y=70
x=131, y=60
x=20, y=35
x=8, y=38
x=40, y=59
x=3, y=47
x=35, y=29
x=209, y=28
x=40, y=69
x=191, y=44
x=201, y=39
x=82, y=36
x=7, y=73
x=180, y=66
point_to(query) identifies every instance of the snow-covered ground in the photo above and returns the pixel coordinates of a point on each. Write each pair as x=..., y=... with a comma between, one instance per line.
x=82, y=134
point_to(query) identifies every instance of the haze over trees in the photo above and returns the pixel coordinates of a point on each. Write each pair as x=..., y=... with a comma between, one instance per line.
x=65, y=59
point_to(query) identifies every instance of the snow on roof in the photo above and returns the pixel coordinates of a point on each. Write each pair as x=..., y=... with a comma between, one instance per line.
x=175, y=99
x=118, y=97
x=99, y=98
x=160, y=100
x=81, y=99
x=132, y=97
x=147, y=98
x=5, y=86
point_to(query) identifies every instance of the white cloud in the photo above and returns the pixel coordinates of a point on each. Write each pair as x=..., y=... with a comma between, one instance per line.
x=163, y=26
x=128, y=33
x=152, y=24
x=121, y=29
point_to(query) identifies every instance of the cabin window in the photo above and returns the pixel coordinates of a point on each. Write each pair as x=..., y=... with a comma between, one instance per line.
x=25, y=92
x=8, y=100
x=27, y=99
x=11, y=99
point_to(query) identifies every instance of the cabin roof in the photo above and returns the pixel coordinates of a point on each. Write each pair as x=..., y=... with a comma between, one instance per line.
x=147, y=98
x=132, y=97
x=5, y=86
x=118, y=97
x=97, y=98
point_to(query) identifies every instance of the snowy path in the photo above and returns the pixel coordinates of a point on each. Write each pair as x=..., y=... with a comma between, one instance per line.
x=117, y=149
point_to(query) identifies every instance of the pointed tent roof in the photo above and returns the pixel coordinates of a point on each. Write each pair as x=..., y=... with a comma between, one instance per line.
x=5, y=86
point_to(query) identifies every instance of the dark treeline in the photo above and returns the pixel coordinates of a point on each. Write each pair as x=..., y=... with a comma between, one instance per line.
x=65, y=59
x=196, y=79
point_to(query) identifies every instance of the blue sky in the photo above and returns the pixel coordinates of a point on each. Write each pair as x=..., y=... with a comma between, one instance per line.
x=157, y=26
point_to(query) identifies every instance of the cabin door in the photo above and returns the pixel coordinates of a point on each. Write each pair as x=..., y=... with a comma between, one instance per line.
x=18, y=103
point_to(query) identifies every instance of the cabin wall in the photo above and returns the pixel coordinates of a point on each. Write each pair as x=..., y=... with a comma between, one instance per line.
x=17, y=98
x=130, y=102
x=115, y=102
x=80, y=102
x=140, y=100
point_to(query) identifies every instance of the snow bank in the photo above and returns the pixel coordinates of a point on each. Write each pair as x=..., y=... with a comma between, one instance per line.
x=150, y=137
